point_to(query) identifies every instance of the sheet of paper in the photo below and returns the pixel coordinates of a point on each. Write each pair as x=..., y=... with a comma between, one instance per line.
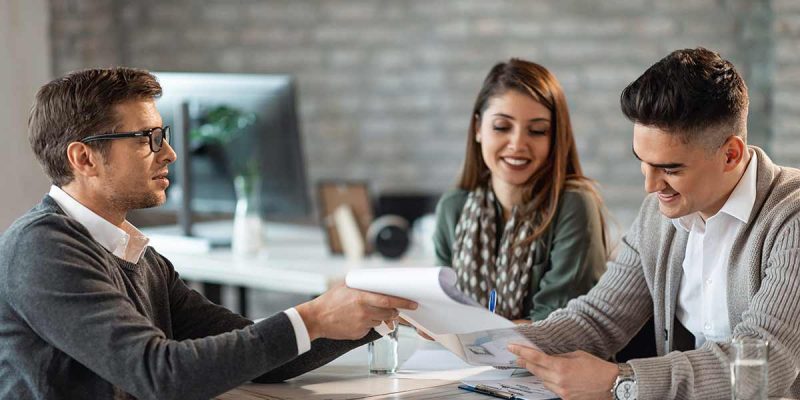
x=437, y=359
x=491, y=347
x=528, y=388
x=441, y=364
x=442, y=308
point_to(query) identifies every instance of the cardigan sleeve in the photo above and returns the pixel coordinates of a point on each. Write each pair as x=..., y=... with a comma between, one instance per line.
x=605, y=319
x=577, y=254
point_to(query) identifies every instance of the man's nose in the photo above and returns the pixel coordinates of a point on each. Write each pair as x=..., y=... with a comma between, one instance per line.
x=652, y=179
x=167, y=153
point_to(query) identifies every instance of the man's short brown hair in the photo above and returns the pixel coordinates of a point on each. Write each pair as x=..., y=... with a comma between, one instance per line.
x=78, y=105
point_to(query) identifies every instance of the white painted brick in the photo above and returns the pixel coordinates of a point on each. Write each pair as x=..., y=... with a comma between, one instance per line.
x=386, y=87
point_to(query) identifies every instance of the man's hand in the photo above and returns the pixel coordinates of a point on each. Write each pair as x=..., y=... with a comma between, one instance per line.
x=344, y=313
x=575, y=375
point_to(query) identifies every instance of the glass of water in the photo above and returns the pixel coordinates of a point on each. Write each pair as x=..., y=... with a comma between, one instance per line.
x=749, y=380
x=383, y=354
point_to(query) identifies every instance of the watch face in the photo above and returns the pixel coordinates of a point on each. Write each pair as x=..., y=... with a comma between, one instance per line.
x=625, y=390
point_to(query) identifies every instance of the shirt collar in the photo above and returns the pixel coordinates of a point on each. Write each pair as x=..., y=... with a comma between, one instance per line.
x=126, y=242
x=739, y=204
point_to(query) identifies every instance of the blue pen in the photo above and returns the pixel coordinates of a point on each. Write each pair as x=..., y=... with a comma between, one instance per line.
x=492, y=300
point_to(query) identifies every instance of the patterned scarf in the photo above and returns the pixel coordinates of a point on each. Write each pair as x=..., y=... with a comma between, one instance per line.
x=478, y=269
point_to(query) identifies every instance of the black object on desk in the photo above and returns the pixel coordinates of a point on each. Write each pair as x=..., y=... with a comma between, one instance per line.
x=389, y=235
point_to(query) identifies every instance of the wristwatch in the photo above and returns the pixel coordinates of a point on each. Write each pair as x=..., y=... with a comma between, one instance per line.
x=625, y=385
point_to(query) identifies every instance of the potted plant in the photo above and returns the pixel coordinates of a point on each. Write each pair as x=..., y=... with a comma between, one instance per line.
x=218, y=134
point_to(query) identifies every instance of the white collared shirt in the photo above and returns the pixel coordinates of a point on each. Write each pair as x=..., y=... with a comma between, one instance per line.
x=129, y=243
x=126, y=242
x=703, y=296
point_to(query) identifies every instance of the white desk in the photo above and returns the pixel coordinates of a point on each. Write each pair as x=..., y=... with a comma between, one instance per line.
x=348, y=378
x=295, y=259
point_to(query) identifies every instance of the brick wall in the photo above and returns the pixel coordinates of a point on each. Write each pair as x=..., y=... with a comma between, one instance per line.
x=785, y=121
x=386, y=86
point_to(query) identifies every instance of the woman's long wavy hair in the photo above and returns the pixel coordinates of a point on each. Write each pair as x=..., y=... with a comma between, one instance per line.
x=561, y=170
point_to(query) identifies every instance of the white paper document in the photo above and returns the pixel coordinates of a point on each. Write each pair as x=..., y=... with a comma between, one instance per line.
x=527, y=388
x=459, y=323
x=436, y=362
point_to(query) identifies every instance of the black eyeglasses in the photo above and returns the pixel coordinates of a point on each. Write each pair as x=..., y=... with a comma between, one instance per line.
x=157, y=137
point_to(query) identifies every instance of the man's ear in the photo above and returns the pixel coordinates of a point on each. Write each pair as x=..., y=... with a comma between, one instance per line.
x=83, y=159
x=733, y=150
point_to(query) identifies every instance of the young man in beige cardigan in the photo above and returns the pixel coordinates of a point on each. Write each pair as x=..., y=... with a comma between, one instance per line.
x=713, y=255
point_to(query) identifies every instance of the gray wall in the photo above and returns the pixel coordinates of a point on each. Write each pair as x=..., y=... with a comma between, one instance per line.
x=386, y=86
x=25, y=65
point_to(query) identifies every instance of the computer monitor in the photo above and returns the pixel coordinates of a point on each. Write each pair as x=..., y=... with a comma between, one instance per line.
x=271, y=142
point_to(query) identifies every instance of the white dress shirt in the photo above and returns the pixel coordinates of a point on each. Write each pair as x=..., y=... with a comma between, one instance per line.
x=128, y=243
x=702, y=298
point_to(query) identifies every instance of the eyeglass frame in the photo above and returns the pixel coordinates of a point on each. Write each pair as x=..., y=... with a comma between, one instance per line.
x=143, y=133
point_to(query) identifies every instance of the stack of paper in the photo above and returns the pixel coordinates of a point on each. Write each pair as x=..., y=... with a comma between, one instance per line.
x=470, y=331
x=434, y=362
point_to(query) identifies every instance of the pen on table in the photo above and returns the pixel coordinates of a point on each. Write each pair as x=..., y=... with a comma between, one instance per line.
x=482, y=389
x=492, y=300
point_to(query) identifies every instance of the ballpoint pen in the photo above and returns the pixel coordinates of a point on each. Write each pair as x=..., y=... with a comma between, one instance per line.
x=482, y=389
x=492, y=300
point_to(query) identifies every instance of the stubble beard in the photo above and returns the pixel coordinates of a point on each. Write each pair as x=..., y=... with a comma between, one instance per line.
x=137, y=201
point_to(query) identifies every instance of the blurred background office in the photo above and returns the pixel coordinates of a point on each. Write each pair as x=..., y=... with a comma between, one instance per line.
x=385, y=87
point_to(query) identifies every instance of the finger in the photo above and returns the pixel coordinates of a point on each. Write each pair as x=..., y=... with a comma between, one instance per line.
x=530, y=355
x=384, y=301
x=382, y=314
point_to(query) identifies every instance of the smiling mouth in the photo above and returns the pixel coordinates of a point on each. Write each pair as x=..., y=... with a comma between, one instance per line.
x=667, y=197
x=515, y=161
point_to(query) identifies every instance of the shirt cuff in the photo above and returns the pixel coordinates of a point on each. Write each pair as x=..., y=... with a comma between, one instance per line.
x=300, y=331
x=383, y=329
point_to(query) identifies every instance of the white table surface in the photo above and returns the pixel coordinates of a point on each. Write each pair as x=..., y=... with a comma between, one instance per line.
x=348, y=377
x=295, y=259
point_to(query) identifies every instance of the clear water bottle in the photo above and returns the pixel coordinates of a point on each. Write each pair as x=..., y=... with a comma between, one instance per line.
x=383, y=354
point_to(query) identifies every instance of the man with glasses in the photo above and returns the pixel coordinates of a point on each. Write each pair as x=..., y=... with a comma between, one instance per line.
x=89, y=311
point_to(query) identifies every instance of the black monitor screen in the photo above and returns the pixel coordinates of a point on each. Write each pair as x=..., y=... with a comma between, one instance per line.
x=238, y=124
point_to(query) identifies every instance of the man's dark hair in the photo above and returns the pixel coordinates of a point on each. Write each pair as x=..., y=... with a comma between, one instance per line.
x=78, y=105
x=693, y=93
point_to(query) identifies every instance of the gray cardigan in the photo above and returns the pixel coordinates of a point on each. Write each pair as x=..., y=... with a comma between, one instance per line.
x=76, y=322
x=643, y=281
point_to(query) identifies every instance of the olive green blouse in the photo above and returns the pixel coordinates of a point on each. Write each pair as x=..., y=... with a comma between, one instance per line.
x=569, y=257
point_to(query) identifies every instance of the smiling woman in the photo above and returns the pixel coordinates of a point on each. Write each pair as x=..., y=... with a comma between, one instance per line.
x=523, y=221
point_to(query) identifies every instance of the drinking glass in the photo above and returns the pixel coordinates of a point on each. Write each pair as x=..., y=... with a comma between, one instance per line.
x=383, y=354
x=749, y=380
